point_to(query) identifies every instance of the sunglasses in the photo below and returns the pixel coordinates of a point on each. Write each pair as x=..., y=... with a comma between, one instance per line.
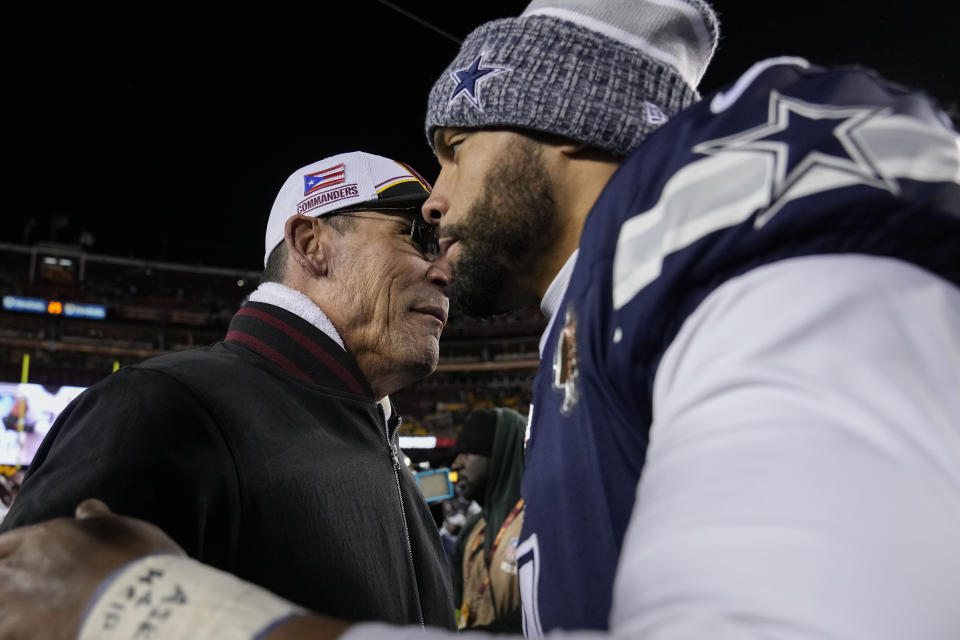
x=423, y=234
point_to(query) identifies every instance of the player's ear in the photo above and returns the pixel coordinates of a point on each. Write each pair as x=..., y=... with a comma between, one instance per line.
x=308, y=243
x=571, y=147
x=573, y=150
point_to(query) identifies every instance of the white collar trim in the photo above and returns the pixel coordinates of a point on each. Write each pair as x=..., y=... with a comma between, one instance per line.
x=295, y=302
x=554, y=295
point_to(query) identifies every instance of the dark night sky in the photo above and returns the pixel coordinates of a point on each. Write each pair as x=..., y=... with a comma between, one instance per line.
x=166, y=133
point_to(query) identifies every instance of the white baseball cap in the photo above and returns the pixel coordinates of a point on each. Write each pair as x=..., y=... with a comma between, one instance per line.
x=342, y=181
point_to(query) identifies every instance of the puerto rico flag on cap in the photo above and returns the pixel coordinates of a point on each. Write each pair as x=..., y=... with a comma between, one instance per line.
x=322, y=179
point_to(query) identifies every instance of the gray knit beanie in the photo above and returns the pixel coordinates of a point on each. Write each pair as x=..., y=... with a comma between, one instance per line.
x=603, y=72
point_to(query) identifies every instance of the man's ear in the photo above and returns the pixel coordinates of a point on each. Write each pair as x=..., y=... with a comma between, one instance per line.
x=308, y=244
x=571, y=147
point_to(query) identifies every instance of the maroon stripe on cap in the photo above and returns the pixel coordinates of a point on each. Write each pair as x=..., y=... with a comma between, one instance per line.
x=416, y=175
x=267, y=351
x=309, y=345
x=407, y=178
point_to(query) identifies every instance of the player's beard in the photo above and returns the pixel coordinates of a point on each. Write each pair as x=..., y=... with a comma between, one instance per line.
x=511, y=226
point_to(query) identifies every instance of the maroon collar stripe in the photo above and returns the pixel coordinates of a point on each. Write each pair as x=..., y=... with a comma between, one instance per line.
x=307, y=344
x=268, y=352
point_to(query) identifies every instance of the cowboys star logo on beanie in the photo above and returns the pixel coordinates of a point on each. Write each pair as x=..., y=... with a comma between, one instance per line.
x=468, y=81
x=602, y=72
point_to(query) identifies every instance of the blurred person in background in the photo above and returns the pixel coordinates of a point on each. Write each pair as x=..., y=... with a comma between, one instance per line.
x=274, y=453
x=10, y=482
x=489, y=465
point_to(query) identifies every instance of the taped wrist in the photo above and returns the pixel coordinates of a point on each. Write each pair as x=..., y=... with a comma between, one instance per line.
x=176, y=598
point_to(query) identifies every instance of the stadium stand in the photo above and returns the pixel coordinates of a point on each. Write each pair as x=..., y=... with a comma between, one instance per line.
x=154, y=307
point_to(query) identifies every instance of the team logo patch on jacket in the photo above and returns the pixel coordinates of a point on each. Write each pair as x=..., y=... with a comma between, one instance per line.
x=566, y=361
x=509, y=564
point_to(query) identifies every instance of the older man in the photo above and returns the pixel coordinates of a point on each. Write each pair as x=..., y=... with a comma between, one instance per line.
x=746, y=425
x=273, y=454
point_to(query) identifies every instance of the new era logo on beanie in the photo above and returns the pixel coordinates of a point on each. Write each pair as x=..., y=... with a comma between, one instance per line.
x=602, y=72
x=338, y=182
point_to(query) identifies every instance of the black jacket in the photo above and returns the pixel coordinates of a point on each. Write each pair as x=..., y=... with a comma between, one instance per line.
x=264, y=455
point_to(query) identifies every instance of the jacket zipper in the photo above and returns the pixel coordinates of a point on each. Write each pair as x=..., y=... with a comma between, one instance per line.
x=394, y=454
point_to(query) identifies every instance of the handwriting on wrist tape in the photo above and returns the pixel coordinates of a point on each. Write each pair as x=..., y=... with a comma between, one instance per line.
x=148, y=598
x=176, y=598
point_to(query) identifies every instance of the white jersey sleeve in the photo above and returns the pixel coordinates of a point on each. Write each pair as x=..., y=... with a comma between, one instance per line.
x=803, y=476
